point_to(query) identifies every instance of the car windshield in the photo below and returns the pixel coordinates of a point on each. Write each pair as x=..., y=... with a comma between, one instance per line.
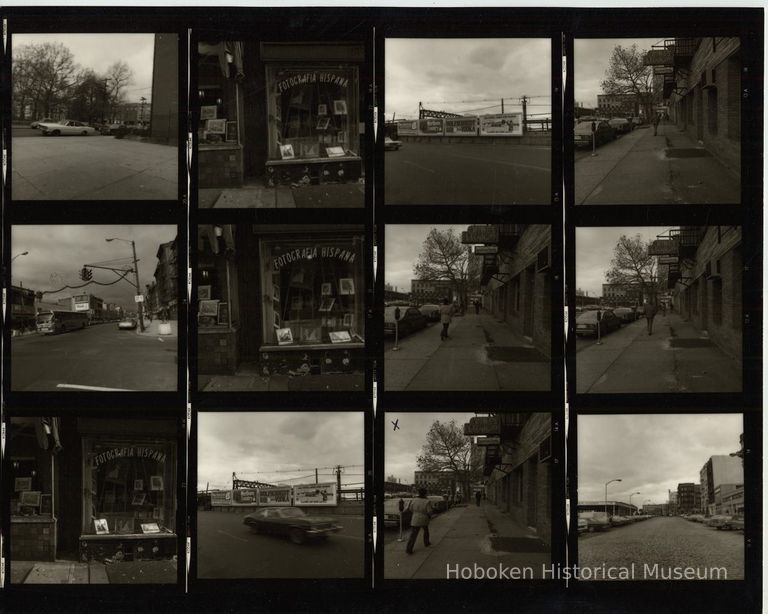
x=45, y=317
x=291, y=512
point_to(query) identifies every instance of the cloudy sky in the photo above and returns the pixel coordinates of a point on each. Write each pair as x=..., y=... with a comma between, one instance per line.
x=402, y=246
x=279, y=447
x=591, y=58
x=403, y=446
x=99, y=51
x=57, y=253
x=469, y=75
x=651, y=453
x=594, y=251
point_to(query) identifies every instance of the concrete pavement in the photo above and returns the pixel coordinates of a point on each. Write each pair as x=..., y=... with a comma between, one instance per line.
x=643, y=169
x=93, y=572
x=258, y=196
x=467, y=535
x=481, y=354
x=676, y=358
x=250, y=380
x=93, y=168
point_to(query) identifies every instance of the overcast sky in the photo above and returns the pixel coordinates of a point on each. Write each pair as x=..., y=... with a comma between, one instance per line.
x=468, y=76
x=651, y=453
x=402, y=246
x=591, y=58
x=57, y=253
x=279, y=447
x=594, y=252
x=99, y=51
x=403, y=446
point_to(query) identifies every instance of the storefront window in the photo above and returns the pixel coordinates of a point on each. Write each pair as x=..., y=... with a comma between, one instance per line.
x=129, y=487
x=313, y=292
x=313, y=112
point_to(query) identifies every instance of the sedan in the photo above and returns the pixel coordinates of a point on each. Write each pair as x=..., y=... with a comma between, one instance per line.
x=411, y=320
x=127, y=324
x=66, y=127
x=717, y=521
x=392, y=512
x=586, y=323
x=36, y=124
x=596, y=521
x=620, y=125
x=431, y=312
x=292, y=522
x=625, y=314
x=733, y=524
x=582, y=134
x=391, y=144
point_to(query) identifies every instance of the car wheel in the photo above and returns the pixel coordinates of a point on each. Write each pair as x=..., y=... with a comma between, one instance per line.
x=297, y=536
x=84, y=133
x=56, y=133
x=254, y=528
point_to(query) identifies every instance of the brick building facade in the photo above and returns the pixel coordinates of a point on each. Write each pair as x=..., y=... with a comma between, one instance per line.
x=688, y=498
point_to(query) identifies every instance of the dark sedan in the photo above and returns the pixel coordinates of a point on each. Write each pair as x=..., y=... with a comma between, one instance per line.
x=291, y=522
x=586, y=323
x=582, y=134
x=626, y=314
x=411, y=320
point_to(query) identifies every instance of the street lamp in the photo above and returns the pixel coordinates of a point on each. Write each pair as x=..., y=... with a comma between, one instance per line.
x=630, y=499
x=136, y=277
x=606, y=493
x=17, y=255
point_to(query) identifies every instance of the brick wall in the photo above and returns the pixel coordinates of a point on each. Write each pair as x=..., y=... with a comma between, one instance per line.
x=220, y=167
x=33, y=540
x=217, y=351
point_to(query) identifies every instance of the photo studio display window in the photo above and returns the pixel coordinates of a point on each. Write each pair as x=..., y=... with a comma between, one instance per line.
x=313, y=292
x=129, y=488
x=313, y=112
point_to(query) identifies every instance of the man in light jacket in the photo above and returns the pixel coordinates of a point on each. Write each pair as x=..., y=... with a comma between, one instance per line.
x=649, y=311
x=421, y=513
x=446, y=315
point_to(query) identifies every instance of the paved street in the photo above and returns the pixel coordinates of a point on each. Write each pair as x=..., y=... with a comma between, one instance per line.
x=676, y=358
x=481, y=354
x=667, y=541
x=92, y=168
x=642, y=169
x=226, y=548
x=99, y=355
x=464, y=536
x=467, y=174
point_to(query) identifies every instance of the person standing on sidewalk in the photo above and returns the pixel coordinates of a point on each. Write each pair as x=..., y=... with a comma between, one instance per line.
x=478, y=496
x=649, y=311
x=421, y=514
x=477, y=307
x=446, y=314
x=656, y=120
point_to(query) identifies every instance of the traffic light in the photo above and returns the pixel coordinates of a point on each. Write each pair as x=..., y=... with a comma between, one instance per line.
x=85, y=274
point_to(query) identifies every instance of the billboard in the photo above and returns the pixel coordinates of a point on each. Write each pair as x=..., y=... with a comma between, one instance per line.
x=407, y=127
x=502, y=124
x=315, y=494
x=279, y=495
x=431, y=126
x=221, y=497
x=461, y=126
x=244, y=496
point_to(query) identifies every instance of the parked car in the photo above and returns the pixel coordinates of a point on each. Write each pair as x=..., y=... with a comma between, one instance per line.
x=45, y=120
x=439, y=504
x=292, y=522
x=619, y=521
x=586, y=323
x=582, y=133
x=411, y=320
x=735, y=523
x=66, y=127
x=391, y=144
x=582, y=525
x=596, y=521
x=717, y=521
x=127, y=324
x=696, y=517
x=392, y=512
x=626, y=314
x=620, y=125
x=431, y=312
x=636, y=121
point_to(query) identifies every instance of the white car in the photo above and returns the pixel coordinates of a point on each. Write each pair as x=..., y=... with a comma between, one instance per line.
x=65, y=127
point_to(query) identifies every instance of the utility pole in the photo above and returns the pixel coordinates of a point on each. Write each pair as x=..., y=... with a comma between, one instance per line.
x=502, y=106
x=141, y=111
x=138, y=286
x=525, y=111
x=316, y=480
x=338, y=482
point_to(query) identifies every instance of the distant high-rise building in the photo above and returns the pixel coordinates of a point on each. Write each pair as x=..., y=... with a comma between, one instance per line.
x=718, y=470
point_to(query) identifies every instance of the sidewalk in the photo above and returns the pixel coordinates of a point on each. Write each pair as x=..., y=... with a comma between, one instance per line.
x=74, y=572
x=257, y=196
x=480, y=354
x=247, y=380
x=467, y=535
x=676, y=358
x=152, y=329
x=640, y=168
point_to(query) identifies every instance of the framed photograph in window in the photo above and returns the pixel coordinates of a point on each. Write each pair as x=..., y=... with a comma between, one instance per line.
x=223, y=315
x=335, y=151
x=284, y=336
x=20, y=484
x=156, y=482
x=207, y=112
x=208, y=308
x=124, y=526
x=150, y=527
x=286, y=152
x=340, y=336
x=276, y=320
x=339, y=107
x=310, y=334
x=100, y=526
x=346, y=286
x=203, y=293
x=325, y=289
x=231, y=132
x=138, y=485
x=139, y=498
x=327, y=303
x=216, y=126
x=349, y=320
x=322, y=109
x=30, y=498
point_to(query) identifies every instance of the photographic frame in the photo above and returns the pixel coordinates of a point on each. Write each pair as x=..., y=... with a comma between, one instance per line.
x=223, y=314
x=335, y=151
x=231, y=132
x=203, y=293
x=139, y=498
x=208, y=112
x=30, y=498
x=322, y=109
x=216, y=126
x=284, y=336
x=286, y=152
x=340, y=336
x=101, y=526
x=346, y=286
x=138, y=485
x=326, y=304
x=208, y=308
x=325, y=288
x=322, y=123
x=156, y=483
x=21, y=484
x=339, y=107
x=276, y=320
x=349, y=320
x=150, y=527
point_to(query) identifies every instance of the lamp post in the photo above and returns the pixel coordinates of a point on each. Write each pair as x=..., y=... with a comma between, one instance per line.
x=140, y=307
x=606, y=493
x=630, y=499
x=17, y=255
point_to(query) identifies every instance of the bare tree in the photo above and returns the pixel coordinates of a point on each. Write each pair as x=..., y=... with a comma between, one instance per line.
x=448, y=449
x=118, y=77
x=43, y=75
x=628, y=74
x=633, y=269
x=444, y=257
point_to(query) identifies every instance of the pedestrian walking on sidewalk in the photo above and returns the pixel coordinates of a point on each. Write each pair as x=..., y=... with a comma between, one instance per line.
x=477, y=307
x=446, y=315
x=656, y=120
x=649, y=311
x=421, y=514
x=478, y=496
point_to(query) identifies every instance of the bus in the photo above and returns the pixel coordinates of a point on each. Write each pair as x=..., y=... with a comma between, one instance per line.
x=54, y=322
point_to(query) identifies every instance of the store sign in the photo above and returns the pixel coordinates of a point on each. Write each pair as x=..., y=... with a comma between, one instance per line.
x=430, y=126
x=244, y=496
x=279, y=495
x=502, y=124
x=221, y=497
x=482, y=425
x=315, y=494
x=407, y=127
x=488, y=441
x=663, y=247
x=82, y=306
x=312, y=77
x=128, y=452
x=313, y=253
x=461, y=126
x=486, y=234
